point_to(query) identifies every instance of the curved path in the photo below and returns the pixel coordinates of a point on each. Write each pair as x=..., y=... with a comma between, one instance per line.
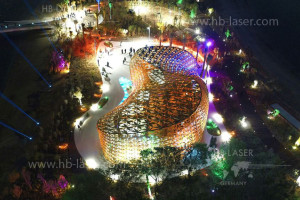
x=86, y=138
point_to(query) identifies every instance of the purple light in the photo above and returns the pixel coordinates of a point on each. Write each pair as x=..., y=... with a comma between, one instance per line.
x=62, y=182
x=209, y=43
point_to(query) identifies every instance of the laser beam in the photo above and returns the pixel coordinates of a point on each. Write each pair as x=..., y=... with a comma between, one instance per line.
x=25, y=58
x=14, y=130
x=16, y=106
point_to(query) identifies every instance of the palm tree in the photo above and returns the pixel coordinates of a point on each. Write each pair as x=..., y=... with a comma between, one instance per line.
x=71, y=35
x=82, y=26
x=57, y=27
x=96, y=15
x=76, y=22
x=103, y=13
x=162, y=29
x=184, y=40
x=64, y=21
x=62, y=6
x=175, y=20
x=171, y=31
x=73, y=3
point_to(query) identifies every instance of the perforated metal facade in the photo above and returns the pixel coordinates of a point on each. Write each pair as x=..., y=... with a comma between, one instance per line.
x=167, y=107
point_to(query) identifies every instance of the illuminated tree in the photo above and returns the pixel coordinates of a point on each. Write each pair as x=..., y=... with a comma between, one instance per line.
x=184, y=39
x=58, y=28
x=78, y=95
x=161, y=27
x=96, y=15
x=195, y=159
x=110, y=6
x=76, y=22
x=83, y=27
x=62, y=6
x=171, y=32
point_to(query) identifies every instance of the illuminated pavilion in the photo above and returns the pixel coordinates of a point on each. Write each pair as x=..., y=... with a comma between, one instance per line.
x=168, y=106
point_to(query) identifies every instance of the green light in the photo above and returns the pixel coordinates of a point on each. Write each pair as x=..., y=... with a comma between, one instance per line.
x=275, y=112
x=218, y=168
x=193, y=13
x=245, y=64
x=179, y=1
x=211, y=125
x=212, y=128
x=110, y=4
x=230, y=87
x=227, y=33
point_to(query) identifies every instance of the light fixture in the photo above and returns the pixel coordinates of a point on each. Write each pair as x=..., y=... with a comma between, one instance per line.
x=105, y=88
x=210, y=97
x=94, y=107
x=91, y=163
x=243, y=122
x=218, y=118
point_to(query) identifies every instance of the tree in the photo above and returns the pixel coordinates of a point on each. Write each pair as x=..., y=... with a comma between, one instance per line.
x=269, y=181
x=160, y=164
x=195, y=159
x=76, y=22
x=64, y=21
x=62, y=6
x=58, y=28
x=83, y=27
x=96, y=184
x=96, y=15
x=161, y=27
x=171, y=32
x=78, y=95
x=88, y=185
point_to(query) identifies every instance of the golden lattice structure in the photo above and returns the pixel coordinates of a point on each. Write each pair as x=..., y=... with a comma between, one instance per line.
x=168, y=106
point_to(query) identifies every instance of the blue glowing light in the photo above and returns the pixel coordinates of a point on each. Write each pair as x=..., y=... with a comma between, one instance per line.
x=125, y=83
x=12, y=103
x=16, y=131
